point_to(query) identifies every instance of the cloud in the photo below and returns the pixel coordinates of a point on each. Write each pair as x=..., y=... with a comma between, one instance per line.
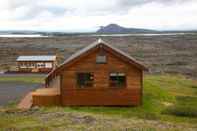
x=162, y=17
x=31, y=8
x=87, y=15
x=142, y=2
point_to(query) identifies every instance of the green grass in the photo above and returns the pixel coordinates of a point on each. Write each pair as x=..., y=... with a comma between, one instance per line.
x=26, y=79
x=160, y=93
x=167, y=98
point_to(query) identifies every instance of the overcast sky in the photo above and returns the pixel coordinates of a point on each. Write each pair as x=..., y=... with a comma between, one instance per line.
x=88, y=15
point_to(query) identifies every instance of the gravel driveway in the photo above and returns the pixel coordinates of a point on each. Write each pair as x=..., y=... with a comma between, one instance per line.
x=14, y=91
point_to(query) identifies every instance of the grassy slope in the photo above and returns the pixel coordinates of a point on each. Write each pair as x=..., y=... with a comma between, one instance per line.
x=163, y=94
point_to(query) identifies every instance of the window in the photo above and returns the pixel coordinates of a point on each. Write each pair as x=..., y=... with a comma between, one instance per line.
x=101, y=56
x=31, y=65
x=85, y=79
x=23, y=65
x=49, y=65
x=117, y=79
x=41, y=65
x=101, y=59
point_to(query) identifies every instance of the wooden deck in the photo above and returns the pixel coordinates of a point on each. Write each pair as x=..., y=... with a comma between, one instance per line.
x=40, y=97
x=46, y=97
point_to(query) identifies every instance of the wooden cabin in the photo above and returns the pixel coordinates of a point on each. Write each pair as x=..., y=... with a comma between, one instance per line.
x=98, y=75
x=42, y=64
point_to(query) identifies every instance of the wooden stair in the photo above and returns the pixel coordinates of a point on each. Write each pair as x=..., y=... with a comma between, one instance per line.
x=26, y=102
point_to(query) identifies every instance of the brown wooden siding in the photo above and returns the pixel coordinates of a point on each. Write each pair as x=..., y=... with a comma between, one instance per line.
x=46, y=100
x=101, y=93
x=46, y=97
x=101, y=97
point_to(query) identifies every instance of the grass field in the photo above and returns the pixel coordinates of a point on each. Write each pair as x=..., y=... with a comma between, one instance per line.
x=169, y=103
x=22, y=78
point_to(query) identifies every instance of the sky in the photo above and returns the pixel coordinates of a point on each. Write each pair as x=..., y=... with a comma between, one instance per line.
x=89, y=15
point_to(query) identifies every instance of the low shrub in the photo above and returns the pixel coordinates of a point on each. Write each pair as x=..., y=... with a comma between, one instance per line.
x=187, y=100
x=185, y=106
x=184, y=111
x=194, y=86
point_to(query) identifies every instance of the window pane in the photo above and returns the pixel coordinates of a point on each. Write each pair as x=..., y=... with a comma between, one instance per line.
x=85, y=79
x=121, y=74
x=113, y=74
x=117, y=79
x=48, y=65
x=101, y=59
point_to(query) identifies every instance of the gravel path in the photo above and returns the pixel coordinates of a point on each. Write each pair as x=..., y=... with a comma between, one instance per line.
x=12, y=91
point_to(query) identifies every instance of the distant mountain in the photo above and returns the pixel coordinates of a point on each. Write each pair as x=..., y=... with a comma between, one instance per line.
x=115, y=29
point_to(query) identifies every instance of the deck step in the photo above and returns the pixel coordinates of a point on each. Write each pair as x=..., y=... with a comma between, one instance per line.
x=26, y=102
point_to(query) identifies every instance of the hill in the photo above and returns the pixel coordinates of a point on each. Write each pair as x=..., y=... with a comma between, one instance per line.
x=161, y=53
x=115, y=29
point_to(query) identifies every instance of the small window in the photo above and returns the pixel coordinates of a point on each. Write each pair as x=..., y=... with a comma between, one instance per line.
x=117, y=80
x=101, y=59
x=85, y=79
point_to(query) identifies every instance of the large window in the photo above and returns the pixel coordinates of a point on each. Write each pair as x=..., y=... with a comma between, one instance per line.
x=117, y=79
x=85, y=79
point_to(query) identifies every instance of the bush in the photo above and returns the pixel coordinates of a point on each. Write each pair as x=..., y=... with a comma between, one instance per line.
x=187, y=100
x=181, y=111
x=185, y=106
x=194, y=86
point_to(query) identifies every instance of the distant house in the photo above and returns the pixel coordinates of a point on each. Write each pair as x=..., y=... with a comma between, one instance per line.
x=98, y=75
x=36, y=63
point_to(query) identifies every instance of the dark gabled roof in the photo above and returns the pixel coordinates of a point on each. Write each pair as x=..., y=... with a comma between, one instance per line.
x=90, y=47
